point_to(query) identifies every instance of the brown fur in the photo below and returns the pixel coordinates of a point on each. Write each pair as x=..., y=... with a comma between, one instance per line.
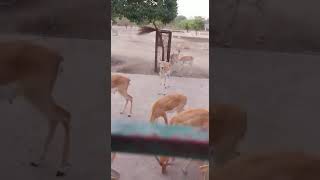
x=271, y=166
x=228, y=126
x=192, y=117
x=121, y=83
x=170, y=102
x=34, y=69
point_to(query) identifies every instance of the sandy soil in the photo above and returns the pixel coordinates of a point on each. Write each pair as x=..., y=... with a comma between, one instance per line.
x=131, y=53
x=134, y=166
x=134, y=55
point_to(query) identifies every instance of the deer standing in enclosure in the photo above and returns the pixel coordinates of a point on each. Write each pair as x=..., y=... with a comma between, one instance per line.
x=181, y=60
x=120, y=83
x=164, y=73
x=174, y=102
x=271, y=166
x=193, y=117
x=32, y=71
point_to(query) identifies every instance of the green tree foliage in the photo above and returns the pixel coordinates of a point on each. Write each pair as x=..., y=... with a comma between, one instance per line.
x=123, y=22
x=185, y=24
x=145, y=11
x=197, y=23
x=178, y=19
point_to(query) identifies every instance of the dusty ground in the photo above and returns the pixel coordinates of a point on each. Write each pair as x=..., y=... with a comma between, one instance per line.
x=144, y=89
x=134, y=54
x=131, y=53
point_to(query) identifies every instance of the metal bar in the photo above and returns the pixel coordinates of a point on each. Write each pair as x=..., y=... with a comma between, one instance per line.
x=144, y=138
x=156, y=54
x=169, y=47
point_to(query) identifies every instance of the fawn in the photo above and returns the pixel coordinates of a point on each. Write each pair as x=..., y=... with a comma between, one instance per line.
x=120, y=83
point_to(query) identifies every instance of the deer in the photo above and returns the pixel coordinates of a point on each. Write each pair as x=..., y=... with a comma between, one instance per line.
x=177, y=58
x=120, y=83
x=31, y=71
x=195, y=117
x=164, y=74
x=174, y=102
x=228, y=124
x=271, y=166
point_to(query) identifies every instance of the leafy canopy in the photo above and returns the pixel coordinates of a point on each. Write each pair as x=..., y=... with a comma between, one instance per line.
x=145, y=11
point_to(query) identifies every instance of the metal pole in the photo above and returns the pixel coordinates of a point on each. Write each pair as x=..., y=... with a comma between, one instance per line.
x=156, y=54
x=169, y=47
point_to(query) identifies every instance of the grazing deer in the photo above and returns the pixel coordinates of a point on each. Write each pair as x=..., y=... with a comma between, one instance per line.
x=177, y=58
x=192, y=117
x=164, y=73
x=271, y=166
x=174, y=102
x=121, y=83
x=32, y=70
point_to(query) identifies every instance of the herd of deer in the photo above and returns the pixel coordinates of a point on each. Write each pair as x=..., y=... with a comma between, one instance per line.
x=31, y=70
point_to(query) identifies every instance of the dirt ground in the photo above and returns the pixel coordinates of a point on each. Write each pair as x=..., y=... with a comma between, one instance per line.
x=134, y=55
x=142, y=167
x=131, y=53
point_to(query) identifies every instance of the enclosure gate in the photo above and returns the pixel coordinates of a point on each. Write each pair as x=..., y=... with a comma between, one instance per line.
x=162, y=37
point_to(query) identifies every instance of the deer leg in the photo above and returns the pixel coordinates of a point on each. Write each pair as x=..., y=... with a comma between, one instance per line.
x=184, y=169
x=168, y=79
x=128, y=98
x=124, y=107
x=65, y=164
x=113, y=156
x=131, y=99
x=165, y=118
x=191, y=67
x=43, y=101
x=52, y=126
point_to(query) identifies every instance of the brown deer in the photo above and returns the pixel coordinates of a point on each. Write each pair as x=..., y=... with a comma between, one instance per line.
x=271, y=166
x=181, y=60
x=164, y=73
x=228, y=126
x=174, y=102
x=33, y=70
x=120, y=83
x=193, y=117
